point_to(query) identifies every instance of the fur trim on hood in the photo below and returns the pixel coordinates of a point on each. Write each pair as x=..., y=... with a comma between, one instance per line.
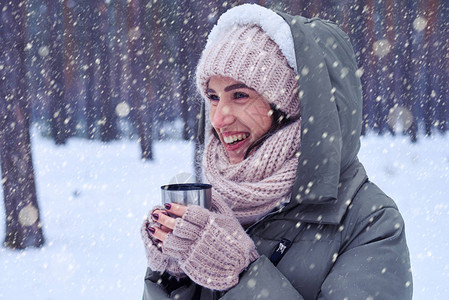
x=272, y=23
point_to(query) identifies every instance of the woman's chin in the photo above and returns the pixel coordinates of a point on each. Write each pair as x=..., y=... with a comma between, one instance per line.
x=235, y=160
x=236, y=157
x=236, y=151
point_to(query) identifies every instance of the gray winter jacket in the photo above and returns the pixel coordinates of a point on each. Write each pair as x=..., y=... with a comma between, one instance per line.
x=340, y=236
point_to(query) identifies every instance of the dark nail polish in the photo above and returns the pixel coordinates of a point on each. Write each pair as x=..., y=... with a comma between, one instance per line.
x=167, y=205
x=156, y=216
x=152, y=230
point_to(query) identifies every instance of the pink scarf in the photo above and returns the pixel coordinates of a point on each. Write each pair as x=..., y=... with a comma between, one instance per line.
x=259, y=183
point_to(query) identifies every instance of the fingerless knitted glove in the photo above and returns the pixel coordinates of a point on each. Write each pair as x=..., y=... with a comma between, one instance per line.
x=156, y=260
x=212, y=249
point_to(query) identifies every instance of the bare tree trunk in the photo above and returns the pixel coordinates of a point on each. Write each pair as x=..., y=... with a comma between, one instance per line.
x=383, y=39
x=434, y=65
x=403, y=74
x=55, y=90
x=23, y=226
x=193, y=44
x=118, y=71
x=90, y=52
x=186, y=57
x=388, y=66
x=443, y=111
x=140, y=103
x=368, y=64
x=71, y=80
x=108, y=121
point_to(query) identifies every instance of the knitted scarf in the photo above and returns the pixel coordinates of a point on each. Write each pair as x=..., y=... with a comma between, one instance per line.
x=260, y=182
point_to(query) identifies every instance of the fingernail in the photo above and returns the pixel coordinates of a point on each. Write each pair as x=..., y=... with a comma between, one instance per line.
x=167, y=205
x=151, y=229
x=156, y=216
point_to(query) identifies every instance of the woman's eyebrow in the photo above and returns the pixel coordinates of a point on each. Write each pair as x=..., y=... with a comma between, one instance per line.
x=208, y=90
x=237, y=86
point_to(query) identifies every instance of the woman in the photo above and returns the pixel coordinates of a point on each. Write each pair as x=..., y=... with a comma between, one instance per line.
x=294, y=215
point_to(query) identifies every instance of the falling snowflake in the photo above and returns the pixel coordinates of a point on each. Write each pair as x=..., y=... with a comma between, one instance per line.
x=122, y=109
x=381, y=48
x=420, y=23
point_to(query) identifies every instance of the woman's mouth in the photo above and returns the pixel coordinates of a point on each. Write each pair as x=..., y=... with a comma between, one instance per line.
x=234, y=141
x=235, y=138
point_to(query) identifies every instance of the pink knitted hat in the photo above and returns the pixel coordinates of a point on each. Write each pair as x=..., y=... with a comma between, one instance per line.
x=247, y=54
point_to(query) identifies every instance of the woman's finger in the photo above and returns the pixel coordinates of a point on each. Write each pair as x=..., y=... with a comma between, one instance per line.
x=158, y=233
x=164, y=220
x=176, y=209
x=157, y=211
x=165, y=229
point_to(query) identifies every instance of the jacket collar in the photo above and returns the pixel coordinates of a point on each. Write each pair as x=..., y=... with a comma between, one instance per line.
x=332, y=212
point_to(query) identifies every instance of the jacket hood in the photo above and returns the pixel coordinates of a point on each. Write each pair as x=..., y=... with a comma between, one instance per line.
x=331, y=106
x=328, y=173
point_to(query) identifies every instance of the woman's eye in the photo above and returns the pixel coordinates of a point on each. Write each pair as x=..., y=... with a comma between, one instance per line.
x=213, y=97
x=239, y=95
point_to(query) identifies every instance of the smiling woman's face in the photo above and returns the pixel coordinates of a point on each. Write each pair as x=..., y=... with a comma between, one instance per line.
x=239, y=115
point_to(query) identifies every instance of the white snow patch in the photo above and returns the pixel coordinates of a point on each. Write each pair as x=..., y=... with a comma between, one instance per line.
x=94, y=196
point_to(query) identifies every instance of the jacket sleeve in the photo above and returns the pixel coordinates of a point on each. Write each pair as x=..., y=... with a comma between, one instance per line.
x=262, y=280
x=161, y=286
x=374, y=260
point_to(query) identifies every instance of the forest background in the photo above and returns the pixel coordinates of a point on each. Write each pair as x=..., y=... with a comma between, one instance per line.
x=124, y=69
x=87, y=87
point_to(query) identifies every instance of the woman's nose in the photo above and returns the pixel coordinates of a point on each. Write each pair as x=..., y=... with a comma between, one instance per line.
x=222, y=115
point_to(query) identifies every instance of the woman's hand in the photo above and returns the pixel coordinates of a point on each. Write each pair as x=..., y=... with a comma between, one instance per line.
x=156, y=260
x=166, y=222
x=211, y=248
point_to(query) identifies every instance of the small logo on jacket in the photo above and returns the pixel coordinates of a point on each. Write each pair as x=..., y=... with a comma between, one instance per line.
x=281, y=248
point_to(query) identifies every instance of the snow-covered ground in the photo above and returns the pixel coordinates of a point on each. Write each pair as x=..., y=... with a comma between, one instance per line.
x=416, y=176
x=93, y=198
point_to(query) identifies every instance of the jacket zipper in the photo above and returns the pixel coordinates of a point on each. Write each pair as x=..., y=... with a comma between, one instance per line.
x=266, y=216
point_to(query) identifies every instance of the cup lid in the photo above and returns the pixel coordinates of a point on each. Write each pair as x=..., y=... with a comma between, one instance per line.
x=186, y=186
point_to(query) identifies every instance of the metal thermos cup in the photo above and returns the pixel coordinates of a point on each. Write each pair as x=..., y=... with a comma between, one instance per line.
x=187, y=193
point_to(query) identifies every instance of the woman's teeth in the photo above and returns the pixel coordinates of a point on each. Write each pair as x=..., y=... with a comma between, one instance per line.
x=234, y=138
